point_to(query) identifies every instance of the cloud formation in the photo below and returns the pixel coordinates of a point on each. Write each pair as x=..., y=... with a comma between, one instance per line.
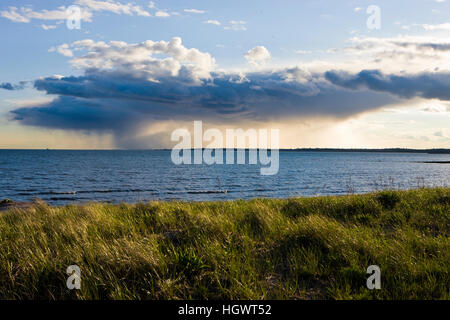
x=26, y=14
x=236, y=25
x=11, y=87
x=425, y=85
x=258, y=55
x=216, y=22
x=194, y=11
x=122, y=103
x=395, y=54
x=113, y=6
x=125, y=87
x=162, y=14
x=62, y=49
x=140, y=60
x=48, y=27
x=433, y=27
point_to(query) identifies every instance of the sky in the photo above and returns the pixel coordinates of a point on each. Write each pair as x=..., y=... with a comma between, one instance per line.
x=98, y=74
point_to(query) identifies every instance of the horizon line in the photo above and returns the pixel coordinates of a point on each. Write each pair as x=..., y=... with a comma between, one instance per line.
x=280, y=149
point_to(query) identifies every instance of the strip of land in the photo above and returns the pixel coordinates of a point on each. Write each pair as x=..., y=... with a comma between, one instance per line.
x=305, y=248
x=441, y=162
x=382, y=150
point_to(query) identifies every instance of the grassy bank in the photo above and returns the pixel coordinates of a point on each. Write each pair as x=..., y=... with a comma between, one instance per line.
x=307, y=248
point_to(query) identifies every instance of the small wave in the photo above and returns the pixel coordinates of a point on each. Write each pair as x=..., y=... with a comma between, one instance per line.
x=115, y=191
x=62, y=199
x=97, y=191
x=26, y=190
x=48, y=193
x=208, y=192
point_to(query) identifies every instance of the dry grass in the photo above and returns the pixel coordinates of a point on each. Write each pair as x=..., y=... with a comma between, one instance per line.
x=306, y=248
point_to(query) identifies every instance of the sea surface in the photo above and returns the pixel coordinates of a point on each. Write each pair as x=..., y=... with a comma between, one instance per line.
x=62, y=177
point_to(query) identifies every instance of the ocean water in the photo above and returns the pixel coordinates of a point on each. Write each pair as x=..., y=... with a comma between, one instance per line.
x=61, y=177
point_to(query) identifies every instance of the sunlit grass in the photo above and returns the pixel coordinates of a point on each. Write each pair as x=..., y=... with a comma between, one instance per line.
x=305, y=248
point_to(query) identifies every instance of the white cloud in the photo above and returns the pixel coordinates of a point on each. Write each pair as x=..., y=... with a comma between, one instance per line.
x=217, y=23
x=48, y=27
x=357, y=9
x=433, y=27
x=141, y=12
x=26, y=14
x=162, y=14
x=236, y=25
x=113, y=6
x=65, y=50
x=13, y=15
x=396, y=54
x=151, y=5
x=194, y=11
x=428, y=27
x=302, y=51
x=258, y=55
x=138, y=59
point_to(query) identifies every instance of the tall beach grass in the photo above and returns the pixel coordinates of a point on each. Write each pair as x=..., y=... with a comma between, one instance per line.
x=304, y=248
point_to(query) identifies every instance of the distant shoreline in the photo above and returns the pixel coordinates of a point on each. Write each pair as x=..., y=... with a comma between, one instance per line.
x=382, y=150
x=437, y=162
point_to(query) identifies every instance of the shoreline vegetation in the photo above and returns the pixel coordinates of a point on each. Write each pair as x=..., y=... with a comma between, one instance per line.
x=300, y=248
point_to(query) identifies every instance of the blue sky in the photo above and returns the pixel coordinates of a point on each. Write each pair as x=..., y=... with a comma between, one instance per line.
x=301, y=64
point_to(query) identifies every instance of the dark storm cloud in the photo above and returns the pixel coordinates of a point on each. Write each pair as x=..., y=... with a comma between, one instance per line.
x=117, y=102
x=71, y=113
x=11, y=87
x=123, y=104
x=424, y=85
x=425, y=45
